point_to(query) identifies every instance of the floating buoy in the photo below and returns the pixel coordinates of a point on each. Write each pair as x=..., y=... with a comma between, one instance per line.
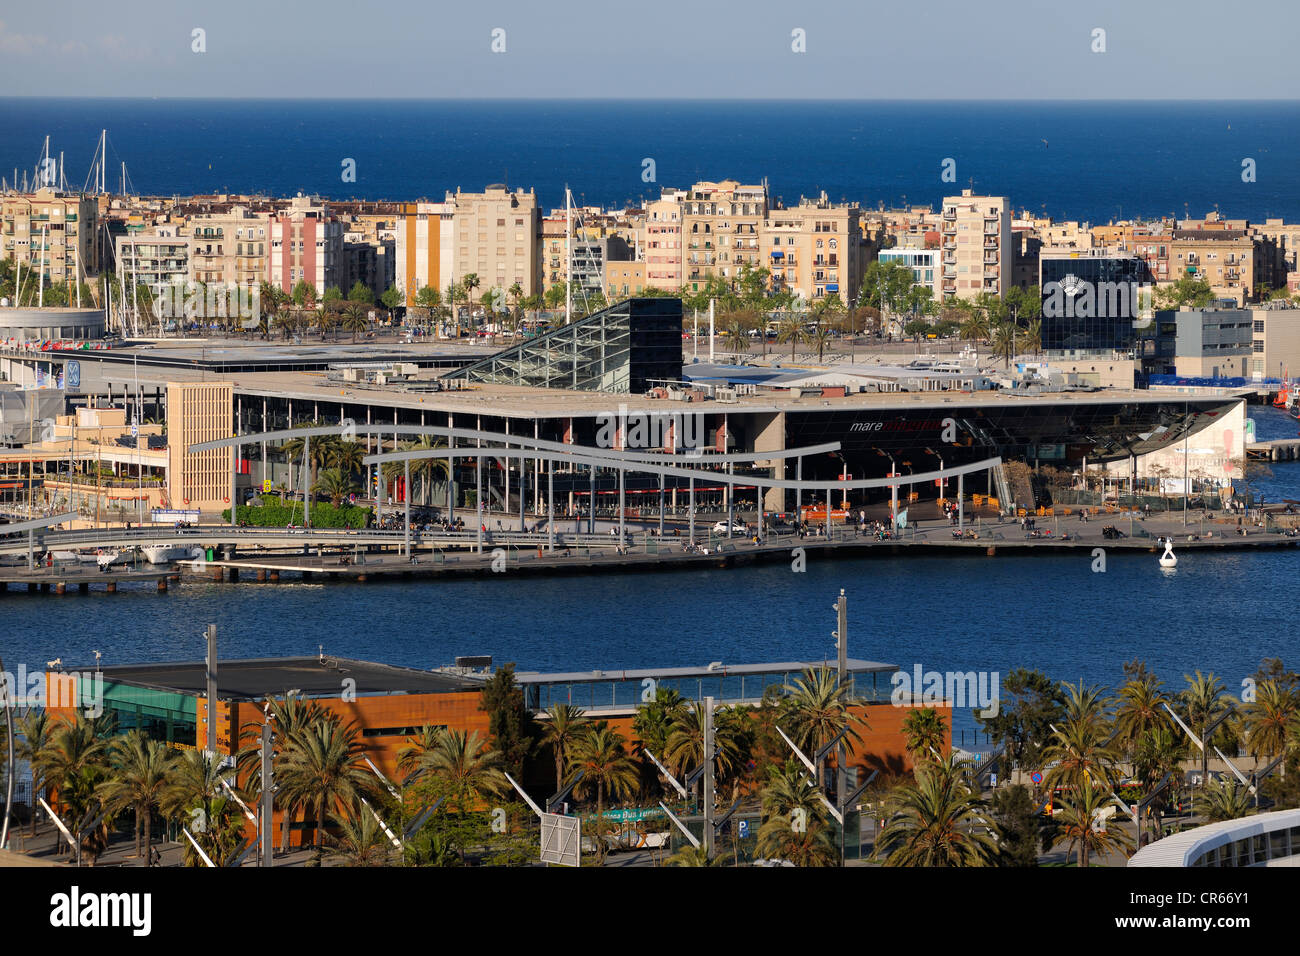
x=1168, y=560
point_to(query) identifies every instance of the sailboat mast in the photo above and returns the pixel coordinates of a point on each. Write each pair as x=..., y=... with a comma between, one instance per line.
x=568, y=255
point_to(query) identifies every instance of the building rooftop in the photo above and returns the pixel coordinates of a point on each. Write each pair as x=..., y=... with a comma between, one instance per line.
x=855, y=666
x=275, y=676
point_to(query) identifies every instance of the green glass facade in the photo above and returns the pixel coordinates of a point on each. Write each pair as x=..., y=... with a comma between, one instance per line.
x=160, y=714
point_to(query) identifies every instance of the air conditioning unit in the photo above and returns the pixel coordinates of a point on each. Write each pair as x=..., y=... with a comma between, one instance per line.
x=725, y=395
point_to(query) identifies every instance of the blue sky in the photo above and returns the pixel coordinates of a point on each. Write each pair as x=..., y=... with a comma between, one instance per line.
x=855, y=49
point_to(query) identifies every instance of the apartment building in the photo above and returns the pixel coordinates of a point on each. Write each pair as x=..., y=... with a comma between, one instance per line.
x=306, y=245
x=976, y=243
x=1287, y=237
x=720, y=231
x=495, y=235
x=1275, y=341
x=624, y=279
x=424, y=249
x=924, y=264
x=372, y=262
x=52, y=232
x=230, y=246
x=815, y=249
x=553, y=247
x=1234, y=263
x=157, y=256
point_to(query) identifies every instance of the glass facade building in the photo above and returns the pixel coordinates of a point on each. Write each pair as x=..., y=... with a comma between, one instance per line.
x=1093, y=303
x=625, y=348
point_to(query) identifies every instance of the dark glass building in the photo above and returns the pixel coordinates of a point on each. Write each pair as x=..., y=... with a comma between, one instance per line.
x=1094, y=303
x=626, y=348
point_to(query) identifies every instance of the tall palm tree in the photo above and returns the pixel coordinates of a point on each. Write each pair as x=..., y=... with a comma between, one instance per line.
x=1077, y=825
x=412, y=756
x=600, y=753
x=355, y=319
x=423, y=469
x=685, y=750
x=137, y=779
x=820, y=337
x=1272, y=720
x=1139, y=709
x=1082, y=753
x=321, y=447
x=653, y=723
x=937, y=821
x=74, y=762
x=1003, y=340
x=467, y=286
x=566, y=723
x=819, y=709
x=790, y=329
x=194, y=795
x=323, y=770
x=1202, y=703
x=926, y=733
x=794, y=824
x=289, y=716
x=347, y=456
x=463, y=767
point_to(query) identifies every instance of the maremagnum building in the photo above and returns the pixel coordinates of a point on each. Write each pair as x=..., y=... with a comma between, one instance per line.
x=618, y=380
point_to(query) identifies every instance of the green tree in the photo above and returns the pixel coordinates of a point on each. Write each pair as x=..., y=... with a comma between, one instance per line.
x=303, y=294
x=1078, y=825
x=926, y=734
x=360, y=840
x=1030, y=703
x=790, y=329
x=565, y=725
x=1203, y=702
x=194, y=797
x=360, y=292
x=511, y=725
x=1272, y=720
x=139, y=769
x=336, y=485
x=794, y=826
x=606, y=768
x=1189, y=290
x=355, y=319
x=819, y=709
x=323, y=770
x=1021, y=828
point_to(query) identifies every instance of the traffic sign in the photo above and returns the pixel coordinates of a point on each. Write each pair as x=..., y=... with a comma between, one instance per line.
x=1036, y=776
x=742, y=829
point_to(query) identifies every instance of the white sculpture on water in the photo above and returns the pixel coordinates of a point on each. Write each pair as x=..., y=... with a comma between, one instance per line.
x=1168, y=560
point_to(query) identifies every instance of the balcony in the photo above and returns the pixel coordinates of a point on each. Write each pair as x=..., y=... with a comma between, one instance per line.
x=990, y=260
x=950, y=214
x=950, y=260
x=950, y=247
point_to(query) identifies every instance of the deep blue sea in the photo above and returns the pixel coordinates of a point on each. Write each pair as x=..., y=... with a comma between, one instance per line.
x=1220, y=612
x=1094, y=161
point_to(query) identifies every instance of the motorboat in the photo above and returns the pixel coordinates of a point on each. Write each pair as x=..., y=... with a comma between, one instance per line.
x=167, y=553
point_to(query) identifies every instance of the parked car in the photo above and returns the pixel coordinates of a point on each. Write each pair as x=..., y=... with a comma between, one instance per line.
x=737, y=527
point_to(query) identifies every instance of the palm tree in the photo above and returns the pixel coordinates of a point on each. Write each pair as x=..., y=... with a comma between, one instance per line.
x=1082, y=754
x=467, y=285
x=360, y=840
x=936, y=821
x=138, y=777
x=73, y=764
x=1077, y=825
x=1139, y=709
x=347, y=456
x=565, y=725
x=790, y=329
x=335, y=485
x=685, y=750
x=1227, y=800
x=820, y=337
x=735, y=335
x=1033, y=337
x=926, y=733
x=1272, y=720
x=194, y=795
x=290, y=716
x=1004, y=341
x=355, y=319
x=694, y=856
x=819, y=709
x=323, y=770
x=1203, y=703
x=322, y=449
x=423, y=468
x=601, y=755
x=794, y=824
x=653, y=723
x=459, y=765
x=974, y=327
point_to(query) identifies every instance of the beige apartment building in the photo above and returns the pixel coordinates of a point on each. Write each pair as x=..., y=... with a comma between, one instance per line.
x=815, y=249
x=425, y=246
x=157, y=256
x=976, y=244
x=624, y=279
x=1233, y=262
x=1287, y=237
x=663, y=240
x=495, y=237
x=721, y=223
x=553, y=264
x=51, y=232
x=230, y=246
x=199, y=412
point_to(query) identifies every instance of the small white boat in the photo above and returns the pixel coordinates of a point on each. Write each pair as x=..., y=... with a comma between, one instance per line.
x=86, y=557
x=107, y=559
x=167, y=553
